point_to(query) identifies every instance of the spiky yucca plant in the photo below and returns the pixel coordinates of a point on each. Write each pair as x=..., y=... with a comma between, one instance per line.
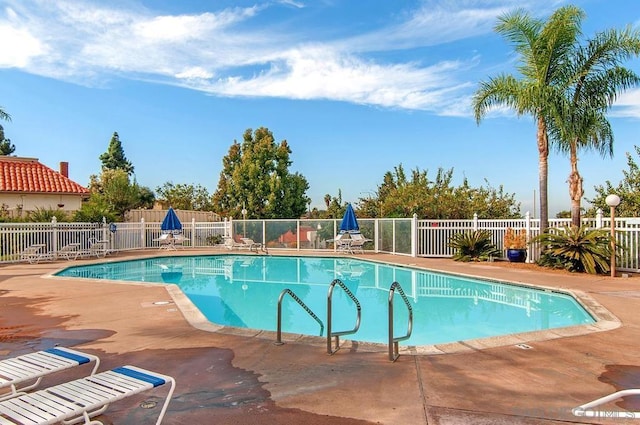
x=576, y=249
x=474, y=246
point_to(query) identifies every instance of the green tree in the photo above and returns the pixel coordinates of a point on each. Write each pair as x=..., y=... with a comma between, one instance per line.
x=593, y=79
x=335, y=206
x=544, y=49
x=256, y=176
x=112, y=195
x=94, y=210
x=146, y=197
x=114, y=158
x=185, y=196
x=6, y=147
x=628, y=189
x=401, y=196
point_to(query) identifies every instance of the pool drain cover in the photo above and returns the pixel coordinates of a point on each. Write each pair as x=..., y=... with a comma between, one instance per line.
x=148, y=404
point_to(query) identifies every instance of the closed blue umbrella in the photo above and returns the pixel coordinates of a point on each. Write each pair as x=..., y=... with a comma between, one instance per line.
x=349, y=222
x=171, y=222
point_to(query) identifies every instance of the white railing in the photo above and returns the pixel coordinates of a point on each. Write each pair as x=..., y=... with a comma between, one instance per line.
x=433, y=235
x=399, y=236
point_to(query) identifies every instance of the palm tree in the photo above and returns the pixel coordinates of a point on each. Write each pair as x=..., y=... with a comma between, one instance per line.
x=592, y=82
x=3, y=115
x=543, y=49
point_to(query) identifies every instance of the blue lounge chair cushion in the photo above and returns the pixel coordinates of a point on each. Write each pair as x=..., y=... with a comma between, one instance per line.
x=153, y=380
x=67, y=355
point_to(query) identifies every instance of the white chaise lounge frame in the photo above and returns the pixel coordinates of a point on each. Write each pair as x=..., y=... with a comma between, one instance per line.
x=17, y=373
x=589, y=409
x=82, y=399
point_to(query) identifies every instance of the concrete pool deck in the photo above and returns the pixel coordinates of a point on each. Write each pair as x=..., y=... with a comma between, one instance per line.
x=226, y=378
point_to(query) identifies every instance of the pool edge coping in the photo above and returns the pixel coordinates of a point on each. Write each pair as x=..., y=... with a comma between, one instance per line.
x=604, y=319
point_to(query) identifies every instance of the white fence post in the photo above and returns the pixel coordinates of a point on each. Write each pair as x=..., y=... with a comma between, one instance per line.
x=376, y=232
x=527, y=227
x=599, y=224
x=475, y=221
x=54, y=239
x=104, y=229
x=143, y=234
x=414, y=236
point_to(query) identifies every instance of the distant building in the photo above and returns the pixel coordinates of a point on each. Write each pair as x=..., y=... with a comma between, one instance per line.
x=27, y=185
x=290, y=239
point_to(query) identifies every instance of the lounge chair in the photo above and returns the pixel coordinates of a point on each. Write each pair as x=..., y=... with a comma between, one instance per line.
x=16, y=373
x=357, y=243
x=179, y=240
x=343, y=242
x=34, y=253
x=98, y=248
x=165, y=241
x=82, y=399
x=69, y=251
x=588, y=410
x=230, y=243
x=250, y=244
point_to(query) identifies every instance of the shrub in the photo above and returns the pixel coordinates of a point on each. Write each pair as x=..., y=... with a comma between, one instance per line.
x=214, y=240
x=576, y=249
x=473, y=246
x=45, y=215
x=515, y=240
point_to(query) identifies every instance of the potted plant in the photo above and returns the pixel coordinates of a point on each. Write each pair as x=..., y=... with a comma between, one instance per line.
x=515, y=242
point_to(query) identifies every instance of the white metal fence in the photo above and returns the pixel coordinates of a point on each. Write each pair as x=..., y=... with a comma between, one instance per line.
x=399, y=236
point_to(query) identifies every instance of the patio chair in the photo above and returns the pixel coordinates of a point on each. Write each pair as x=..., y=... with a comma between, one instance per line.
x=588, y=410
x=34, y=253
x=70, y=251
x=18, y=373
x=80, y=400
x=357, y=243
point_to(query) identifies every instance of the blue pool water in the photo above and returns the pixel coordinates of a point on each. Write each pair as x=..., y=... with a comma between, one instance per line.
x=243, y=291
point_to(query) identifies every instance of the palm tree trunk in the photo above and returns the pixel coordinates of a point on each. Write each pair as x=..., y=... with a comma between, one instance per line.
x=543, y=173
x=575, y=185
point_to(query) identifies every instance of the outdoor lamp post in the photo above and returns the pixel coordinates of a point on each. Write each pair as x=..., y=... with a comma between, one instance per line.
x=613, y=201
x=244, y=219
x=319, y=227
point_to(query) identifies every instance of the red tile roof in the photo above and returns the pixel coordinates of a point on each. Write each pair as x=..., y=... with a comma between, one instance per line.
x=27, y=175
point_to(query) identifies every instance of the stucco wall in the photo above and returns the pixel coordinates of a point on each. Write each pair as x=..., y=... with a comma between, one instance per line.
x=13, y=202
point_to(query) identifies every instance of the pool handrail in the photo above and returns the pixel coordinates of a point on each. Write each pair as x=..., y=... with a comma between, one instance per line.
x=337, y=335
x=302, y=304
x=393, y=342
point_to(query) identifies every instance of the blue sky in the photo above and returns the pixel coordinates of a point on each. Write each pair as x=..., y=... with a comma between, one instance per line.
x=355, y=87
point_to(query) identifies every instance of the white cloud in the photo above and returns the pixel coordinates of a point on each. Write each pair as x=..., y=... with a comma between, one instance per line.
x=293, y=3
x=18, y=47
x=627, y=105
x=194, y=73
x=88, y=43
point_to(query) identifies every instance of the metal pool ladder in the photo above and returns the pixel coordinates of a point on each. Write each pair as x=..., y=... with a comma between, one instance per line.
x=337, y=335
x=393, y=342
x=302, y=304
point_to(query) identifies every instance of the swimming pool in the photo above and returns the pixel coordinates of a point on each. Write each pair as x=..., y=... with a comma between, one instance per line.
x=243, y=291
